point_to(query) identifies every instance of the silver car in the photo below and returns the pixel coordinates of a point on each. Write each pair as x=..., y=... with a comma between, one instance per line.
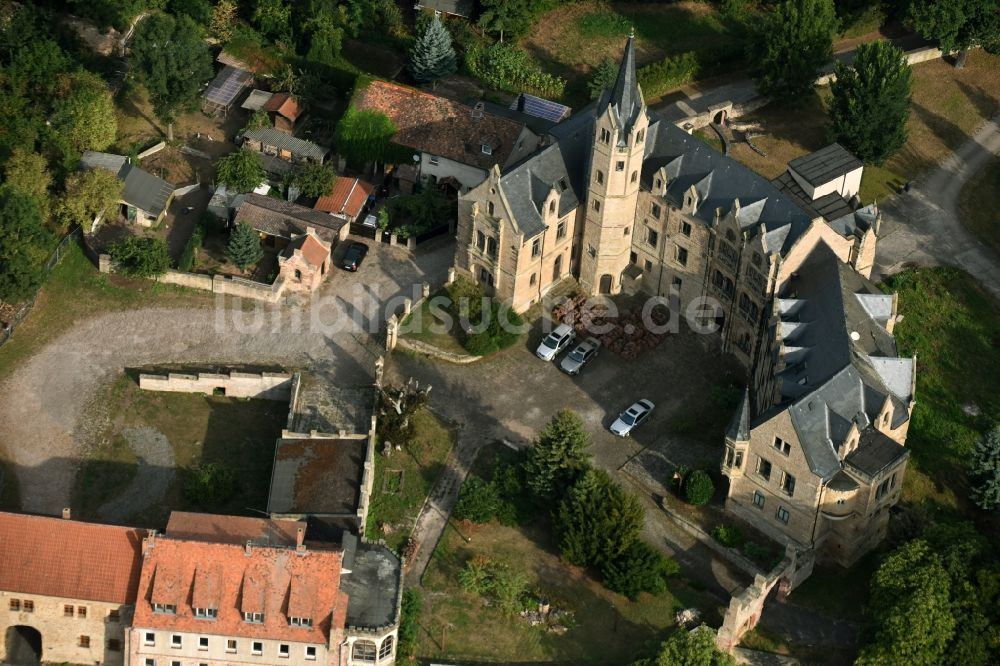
x=632, y=417
x=578, y=357
x=555, y=342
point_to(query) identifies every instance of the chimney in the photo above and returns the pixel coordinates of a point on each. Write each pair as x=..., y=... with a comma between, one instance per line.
x=477, y=110
x=248, y=551
x=300, y=537
x=67, y=514
x=311, y=231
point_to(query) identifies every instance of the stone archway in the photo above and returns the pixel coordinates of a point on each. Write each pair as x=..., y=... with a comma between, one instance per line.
x=720, y=117
x=605, y=285
x=24, y=646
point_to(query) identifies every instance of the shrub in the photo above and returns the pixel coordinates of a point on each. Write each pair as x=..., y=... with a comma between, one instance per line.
x=728, y=535
x=754, y=551
x=497, y=581
x=186, y=262
x=506, y=67
x=505, y=325
x=140, y=257
x=478, y=501
x=660, y=77
x=698, y=487
x=409, y=619
x=502, y=498
x=641, y=568
x=210, y=485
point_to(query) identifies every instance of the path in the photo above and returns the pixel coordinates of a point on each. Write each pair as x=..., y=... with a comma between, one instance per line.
x=44, y=400
x=922, y=226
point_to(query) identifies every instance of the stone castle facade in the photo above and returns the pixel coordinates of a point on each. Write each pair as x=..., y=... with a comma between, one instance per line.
x=626, y=202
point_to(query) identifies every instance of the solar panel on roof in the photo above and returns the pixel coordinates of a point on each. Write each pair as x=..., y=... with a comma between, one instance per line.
x=227, y=85
x=540, y=108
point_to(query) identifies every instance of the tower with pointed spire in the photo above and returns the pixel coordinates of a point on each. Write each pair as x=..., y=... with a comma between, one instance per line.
x=617, y=151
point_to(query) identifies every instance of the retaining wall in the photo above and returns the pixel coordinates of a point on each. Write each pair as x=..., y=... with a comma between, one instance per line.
x=263, y=385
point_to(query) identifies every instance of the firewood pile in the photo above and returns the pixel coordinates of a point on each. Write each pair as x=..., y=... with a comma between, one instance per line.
x=625, y=335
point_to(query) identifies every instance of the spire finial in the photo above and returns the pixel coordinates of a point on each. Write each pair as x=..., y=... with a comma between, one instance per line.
x=631, y=32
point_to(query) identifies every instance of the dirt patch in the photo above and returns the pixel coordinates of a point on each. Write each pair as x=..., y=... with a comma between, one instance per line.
x=153, y=475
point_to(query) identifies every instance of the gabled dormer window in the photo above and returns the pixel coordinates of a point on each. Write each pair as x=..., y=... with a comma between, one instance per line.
x=206, y=613
x=253, y=618
x=300, y=622
x=166, y=609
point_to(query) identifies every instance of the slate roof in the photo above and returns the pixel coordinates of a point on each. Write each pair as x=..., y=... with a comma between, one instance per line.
x=277, y=217
x=178, y=571
x=440, y=126
x=347, y=197
x=825, y=164
x=372, y=586
x=66, y=558
x=720, y=181
x=213, y=528
x=527, y=185
x=317, y=476
x=739, y=427
x=840, y=361
x=143, y=190
x=297, y=147
x=829, y=206
x=875, y=453
x=454, y=7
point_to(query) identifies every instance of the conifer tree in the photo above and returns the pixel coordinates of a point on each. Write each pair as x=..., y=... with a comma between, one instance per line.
x=244, y=246
x=598, y=521
x=871, y=102
x=432, y=55
x=985, y=471
x=558, y=456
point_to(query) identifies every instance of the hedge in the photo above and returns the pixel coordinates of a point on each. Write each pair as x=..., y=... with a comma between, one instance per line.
x=660, y=77
x=506, y=67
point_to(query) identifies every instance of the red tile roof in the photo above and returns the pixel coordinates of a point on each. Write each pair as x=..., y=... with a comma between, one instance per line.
x=284, y=105
x=440, y=126
x=347, y=197
x=313, y=251
x=66, y=558
x=260, y=582
x=232, y=529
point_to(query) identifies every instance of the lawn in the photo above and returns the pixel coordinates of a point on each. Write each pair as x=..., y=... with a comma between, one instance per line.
x=948, y=105
x=708, y=135
x=605, y=628
x=954, y=328
x=571, y=40
x=979, y=203
x=237, y=434
x=74, y=291
x=425, y=326
x=403, y=481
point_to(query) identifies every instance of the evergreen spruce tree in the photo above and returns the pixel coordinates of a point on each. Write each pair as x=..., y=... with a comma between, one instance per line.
x=871, y=102
x=558, y=456
x=598, y=521
x=789, y=47
x=432, y=55
x=244, y=246
x=985, y=471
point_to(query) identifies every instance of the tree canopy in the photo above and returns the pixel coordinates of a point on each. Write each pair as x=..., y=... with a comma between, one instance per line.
x=984, y=470
x=690, y=648
x=25, y=244
x=365, y=136
x=85, y=118
x=140, y=256
x=315, y=180
x=558, y=456
x=871, y=102
x=508, y=19
x=241, y=171
x=597, y=521
x=958, y=25
x=602, y=78
x=244, y=246
x=88, y=194
x=173, y=62
x=432, y=55
x=28, y=173
x=790, y=45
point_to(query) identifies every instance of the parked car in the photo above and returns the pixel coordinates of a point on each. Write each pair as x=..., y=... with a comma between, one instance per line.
x=355, y=254
x=576, y=359
x=555, y=342
x=632, y=417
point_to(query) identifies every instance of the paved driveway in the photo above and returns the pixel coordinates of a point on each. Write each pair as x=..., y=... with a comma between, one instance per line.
x=45, y=404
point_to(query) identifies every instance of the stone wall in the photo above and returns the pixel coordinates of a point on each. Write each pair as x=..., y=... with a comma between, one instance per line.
x=263, y=385
x=189, y=280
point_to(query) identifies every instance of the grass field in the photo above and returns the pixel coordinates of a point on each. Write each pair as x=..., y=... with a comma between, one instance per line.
x=980, y=203
x=238, y=434
x=954, y=328
x=948, y=105
x=571, y=40
x=403, y=481
x=423, y=325
x=75, y=290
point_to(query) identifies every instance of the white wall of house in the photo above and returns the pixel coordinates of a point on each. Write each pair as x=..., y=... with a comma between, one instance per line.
x=442, y=167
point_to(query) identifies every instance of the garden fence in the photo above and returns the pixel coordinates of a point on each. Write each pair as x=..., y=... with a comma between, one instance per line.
x=8, y=331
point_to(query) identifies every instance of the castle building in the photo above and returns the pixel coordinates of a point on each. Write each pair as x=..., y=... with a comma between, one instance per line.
x=626, y=202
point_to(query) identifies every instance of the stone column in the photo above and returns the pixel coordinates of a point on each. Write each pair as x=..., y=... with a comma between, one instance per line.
x=391, y=332
x=425, y=290
x=451, y=275
x=407, y=305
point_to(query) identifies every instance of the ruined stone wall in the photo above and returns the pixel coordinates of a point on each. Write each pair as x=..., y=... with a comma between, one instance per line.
x=264, y=385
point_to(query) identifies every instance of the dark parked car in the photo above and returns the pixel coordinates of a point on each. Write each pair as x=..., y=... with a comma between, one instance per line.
x=355, y=254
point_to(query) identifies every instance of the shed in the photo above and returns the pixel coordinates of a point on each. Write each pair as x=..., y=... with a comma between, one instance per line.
x=272, y=142
x=225, y=89
x=256, y=100
x=347, y=198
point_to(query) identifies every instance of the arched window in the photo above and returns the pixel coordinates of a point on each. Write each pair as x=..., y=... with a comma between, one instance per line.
x=489, y=208
x=635, y=176
x=552, y=206
x=364, y=650
x=385, y=650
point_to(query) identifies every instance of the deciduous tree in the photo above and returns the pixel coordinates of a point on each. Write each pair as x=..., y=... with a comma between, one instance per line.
x=432, y=55
x=140, y=256
x=789, y=47
x=365, y=136
x=244, y=246
x=558, y=456
x=692, y=648
x=315, y=180
x=272, y=18
x=85, y=118
x=871, y=102
x=28, y=173
x=88, y=194
x=223, y=19
x=984, y=471
x=241, y=171
x=173, y=62
x=25, y=244
x=507, y=18
x=958, y=25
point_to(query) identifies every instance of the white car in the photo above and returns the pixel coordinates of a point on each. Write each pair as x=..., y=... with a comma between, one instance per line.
x=632, y=417
x=555, y=342
x=576, y=359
